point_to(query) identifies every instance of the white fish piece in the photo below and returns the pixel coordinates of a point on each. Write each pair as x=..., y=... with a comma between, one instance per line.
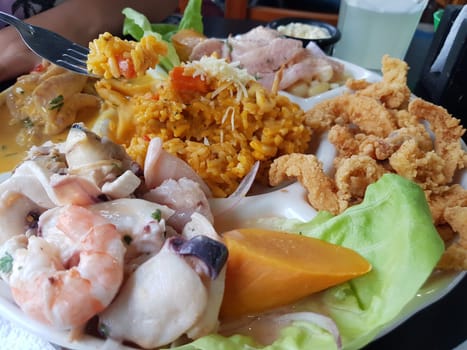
x=135, y=218
x=80, y=170
x=33, y=181
x=22, y=198
x=122, y=186
x=83, y=147
x=200, y=225
x=185, y=196
x=8, y=250
x=48, y=189
x=209, y=320
x=72, y=189
x=17, y=215
x=158, y=303
x=160, y=165
x=97, y=159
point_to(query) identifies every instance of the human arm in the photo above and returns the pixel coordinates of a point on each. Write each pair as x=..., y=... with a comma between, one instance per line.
x=78, y=20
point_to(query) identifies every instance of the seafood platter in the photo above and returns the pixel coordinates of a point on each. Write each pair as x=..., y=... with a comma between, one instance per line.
x=198, y=193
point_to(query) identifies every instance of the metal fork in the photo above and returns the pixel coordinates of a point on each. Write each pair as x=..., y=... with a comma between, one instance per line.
x=50, y=46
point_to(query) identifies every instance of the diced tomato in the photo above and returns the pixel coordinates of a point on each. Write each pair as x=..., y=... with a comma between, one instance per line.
x=126, y=67
x=38, y=68
x=187, y=83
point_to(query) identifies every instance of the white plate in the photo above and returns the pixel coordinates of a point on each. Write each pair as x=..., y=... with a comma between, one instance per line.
x=287, y=202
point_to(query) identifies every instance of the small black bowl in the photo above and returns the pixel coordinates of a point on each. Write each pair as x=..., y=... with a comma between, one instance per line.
x=326, y=45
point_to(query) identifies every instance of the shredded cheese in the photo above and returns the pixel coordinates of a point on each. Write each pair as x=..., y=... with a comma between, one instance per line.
x=230, y=110
x=220, y=69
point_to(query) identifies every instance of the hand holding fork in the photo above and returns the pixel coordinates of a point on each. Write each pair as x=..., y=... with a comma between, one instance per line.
x=50, y=46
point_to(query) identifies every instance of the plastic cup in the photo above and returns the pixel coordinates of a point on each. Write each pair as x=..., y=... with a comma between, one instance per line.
x=372, y=28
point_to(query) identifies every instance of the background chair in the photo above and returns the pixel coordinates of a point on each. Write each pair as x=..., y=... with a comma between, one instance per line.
x=447, y=88
x=444, y=3
x=240, y=9
x=245, y=9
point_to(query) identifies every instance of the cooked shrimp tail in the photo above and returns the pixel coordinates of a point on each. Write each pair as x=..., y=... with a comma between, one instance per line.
x=66, y=294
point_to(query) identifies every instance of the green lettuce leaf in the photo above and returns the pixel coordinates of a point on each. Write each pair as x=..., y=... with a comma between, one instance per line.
x=192, y=17
x=137, y=25
x=301, y=336
x=392, y=228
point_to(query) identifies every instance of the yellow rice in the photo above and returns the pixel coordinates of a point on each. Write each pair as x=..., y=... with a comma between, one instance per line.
x=220, y=134
x=107, y=52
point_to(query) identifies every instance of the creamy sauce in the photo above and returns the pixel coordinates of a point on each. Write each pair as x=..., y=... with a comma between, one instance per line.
x=304, y=31
x=11, y=153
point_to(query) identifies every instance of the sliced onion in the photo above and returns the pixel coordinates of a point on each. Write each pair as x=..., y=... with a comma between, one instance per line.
x=160, y=165
x=321, y=321
x=220, y=206
x=266, y=328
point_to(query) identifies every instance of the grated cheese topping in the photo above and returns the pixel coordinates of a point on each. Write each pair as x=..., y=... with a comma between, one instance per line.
x=224, y=71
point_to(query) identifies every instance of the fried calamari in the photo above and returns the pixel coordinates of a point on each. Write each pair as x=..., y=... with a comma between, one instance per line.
x=378, y=128
x=455, y=257
x=392, y=91
x=322, y=190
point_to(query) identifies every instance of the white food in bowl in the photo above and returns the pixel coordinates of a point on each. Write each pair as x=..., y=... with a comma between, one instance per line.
x=304, y=31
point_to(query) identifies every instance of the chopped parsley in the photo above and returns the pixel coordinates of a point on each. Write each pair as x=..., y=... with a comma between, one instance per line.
x=103, y=330
x=157, y=215
x=11, y=154
x=28, y=123
x=6, y=263
x=56, y=102
x=117, y=166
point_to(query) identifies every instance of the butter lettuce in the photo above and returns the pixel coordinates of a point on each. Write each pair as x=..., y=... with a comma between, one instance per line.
x=137, y=25
x=301, y=336
x=392, y=228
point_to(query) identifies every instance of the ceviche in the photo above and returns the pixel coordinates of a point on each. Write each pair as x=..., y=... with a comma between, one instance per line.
x=119, y=221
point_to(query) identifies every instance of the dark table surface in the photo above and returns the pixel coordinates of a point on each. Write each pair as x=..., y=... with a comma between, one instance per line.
x=442, y=325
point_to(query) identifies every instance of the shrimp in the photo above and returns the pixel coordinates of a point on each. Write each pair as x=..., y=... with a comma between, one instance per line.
x=66, y=294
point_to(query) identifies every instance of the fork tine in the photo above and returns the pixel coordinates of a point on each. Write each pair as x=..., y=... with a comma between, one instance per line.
x=77, y=68
x=75, y=58
x=68, y=56
x=79, y=49
x=77, y=54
